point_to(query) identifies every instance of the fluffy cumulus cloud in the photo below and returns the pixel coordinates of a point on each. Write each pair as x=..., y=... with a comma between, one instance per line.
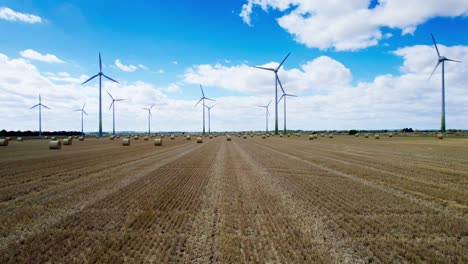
x=34, y=55
x=14, y=16
x=126, y=68
x=351, y=25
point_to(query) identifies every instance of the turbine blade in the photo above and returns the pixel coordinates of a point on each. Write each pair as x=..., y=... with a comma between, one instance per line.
x=92, y=77
x=150, y=114
x=145, y=108
x=281, y=64
x=199, y=101
x=263, y=68
x=281, y=85
x=100, y=62
x=151, y=106
x=452, y=60
x=435, y=68
x=435, y=45
x=45, y=106
x=203, y=94
x=281, y=97
x=78, y=110
x=206, y=98
x=83, y=106
x=268, y=104
x=39, y=98
x=291, y=95
x=85, y=112
x=34, y=106
x=110, y=78
x=110, y=95
x=111, y=105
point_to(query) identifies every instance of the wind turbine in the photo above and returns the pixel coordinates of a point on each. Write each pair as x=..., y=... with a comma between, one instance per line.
x=203, y=99
x=209, y=117
x=40, y=105
x=100, y=74
x=113, y=111
x=441, y=59
x=82, y=112
x=266, y=114
x=284, y=101
x=277, y=80
x=149, y=118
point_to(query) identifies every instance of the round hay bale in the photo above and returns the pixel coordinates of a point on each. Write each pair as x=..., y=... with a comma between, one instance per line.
x=211, y=137
x=366, y=135
x=263, y=136
x=356, y=135
x=81, y=138
x=75, y=137
x=46, y=137
x=158, y=141
x=390, y=135
x=245, y=136
x=330, y=136
x=228, y=138
x=67, y=141
x=199, y=140
x=162, y=136
x=281, y=135
x=172, y=137
x=111, y=137
x=53, y=138
x=55, y=144
x=377, y=136
x=20, y=139
x=146, y=138
x=97, y=137
x=322, y=135
x=136, y=137
x=126, y=142
x=289, y=135
x=311, y=137
x=440, y=136
x=117, y=136
x=188, y=137
x=8, y=138
x=3, y=142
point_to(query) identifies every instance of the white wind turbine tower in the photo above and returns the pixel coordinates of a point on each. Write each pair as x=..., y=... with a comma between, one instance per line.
x=209, y=117
x=113, y=111
x=100, y=74
x=275, y=70
x=149, y=118
x=284, y=96
x=203, y=98
x=267, y=113
x=40, y=105
x=82, y=112
x=441, y=59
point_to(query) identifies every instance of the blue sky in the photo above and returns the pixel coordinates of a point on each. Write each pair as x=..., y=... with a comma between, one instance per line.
x=168, y=47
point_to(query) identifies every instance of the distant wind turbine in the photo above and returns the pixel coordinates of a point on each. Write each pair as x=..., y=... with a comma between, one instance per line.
x=113, y=111
x=82, y=112
x=100, y=74
x=441, y=59
x=209, y=117
x=149, y=118
x=284, y=96
x=267, y=113
x=40, y=105
x=203, y=98
x=275, y=70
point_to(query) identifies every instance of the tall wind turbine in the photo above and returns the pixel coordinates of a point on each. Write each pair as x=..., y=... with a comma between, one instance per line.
x=267, y=113
x=100, y=74
x=40, y=105
x=284, y=101
x=441, y=59
x=275, y=70
x=113, y=111
x=149, y=118
x=203, y=98
x=82, y=112
x=209, y=117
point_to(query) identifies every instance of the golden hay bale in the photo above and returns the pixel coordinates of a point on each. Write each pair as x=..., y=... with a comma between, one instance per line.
x=377, y=136
x=158, y=142
x=356, y=135
x=81, y=138
x=46, y=137
x=146, y=138
x=67, y=141
x=263, y=136
x=245, y=136
x=20, y=139
x=162, y=136
x=172, y=137
x=289, y=135
x=228, y=138
x=97, y=137
x=315, y=136
x=126, y=142
x=3, y=142
x=53, y=138
x=390, y=135
x=111, y=137
x=8, y=138
x=55, y=144
x=211, y=137
x=330, y=136
x=322, y=135
x=440, y=136
x=199, y=140
x=188, y=137
x=366, y=135
x=281, y=135
x=117, y=136
x=311, y=137
x=136, y=137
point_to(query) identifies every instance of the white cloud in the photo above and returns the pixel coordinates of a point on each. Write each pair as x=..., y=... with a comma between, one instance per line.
x=34, y=55
x=11, y=15
x=351, y=25
x=141, y=66
x=173, y=88
x=125, y=68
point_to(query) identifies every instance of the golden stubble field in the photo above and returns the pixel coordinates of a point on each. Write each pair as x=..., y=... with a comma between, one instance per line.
x=275, y=200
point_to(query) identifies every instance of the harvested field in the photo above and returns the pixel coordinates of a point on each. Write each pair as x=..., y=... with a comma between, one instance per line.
x=276, y=200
